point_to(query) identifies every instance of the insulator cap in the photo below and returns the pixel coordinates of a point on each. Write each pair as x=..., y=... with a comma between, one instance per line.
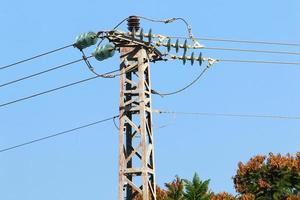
x=133, y=23
x=185, y=46
x=150, y=36
x=85, y=40
x=184, y=58
x=177, y=46
x=192, y=58
x=200, y=59
x=104, y=52
x=169, y=45
x=141, y=34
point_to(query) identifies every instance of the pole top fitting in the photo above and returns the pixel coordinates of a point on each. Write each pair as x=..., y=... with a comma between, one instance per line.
x=133, y=23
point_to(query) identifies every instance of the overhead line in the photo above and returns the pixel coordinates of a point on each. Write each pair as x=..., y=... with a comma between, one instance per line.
x=48, y=91
x=259, y=61
x=41, y=72
x=184, y=88
x=57, y=134
x=239, y=41
x=230, y=115
x=105, y=75
x=251, y=50
x=34, y=57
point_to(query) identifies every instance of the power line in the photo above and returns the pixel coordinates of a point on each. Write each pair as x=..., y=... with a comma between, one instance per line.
x=105, y=75
x=40, y=73
x=259, y=61
x=251, y=50
x=240, y=41
x=230, y=115
x=34, y=57
x=48, y=91
x=56, y=134
x=184, y=88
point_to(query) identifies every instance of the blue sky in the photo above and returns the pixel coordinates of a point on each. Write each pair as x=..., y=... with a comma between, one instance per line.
x=84, y=165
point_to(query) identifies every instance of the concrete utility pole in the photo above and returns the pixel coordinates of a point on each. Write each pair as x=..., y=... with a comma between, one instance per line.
x=136, y=148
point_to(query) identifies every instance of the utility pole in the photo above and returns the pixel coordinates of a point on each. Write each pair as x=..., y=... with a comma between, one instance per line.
x=136, y=142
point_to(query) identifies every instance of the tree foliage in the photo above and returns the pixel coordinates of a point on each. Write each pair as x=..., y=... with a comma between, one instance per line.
x=275, y=177
x=196, y=189
x=175, y=189
x=222, y=196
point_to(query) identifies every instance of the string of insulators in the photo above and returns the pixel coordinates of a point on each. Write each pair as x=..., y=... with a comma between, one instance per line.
x=85, y=40
x=141, y=35
x=176, y=45
x=191, y=58
x=104, y=52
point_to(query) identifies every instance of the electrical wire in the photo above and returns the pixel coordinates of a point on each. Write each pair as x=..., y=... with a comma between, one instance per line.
x=91, y=68
x=248, y=61
x=239, y=41
x=184, y=88
x=166, y=21
x=251, y=50
x=158, y=43
x=119, y=24
x=258, y=61
x=56, y=134
x=51, y=90
x=230, y=115
x=42, y=72
x=48, y=91
x=115, y=124
x=34, y=57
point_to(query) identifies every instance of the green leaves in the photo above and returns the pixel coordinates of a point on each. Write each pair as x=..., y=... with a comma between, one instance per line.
x=175, y=189
x=188, y=190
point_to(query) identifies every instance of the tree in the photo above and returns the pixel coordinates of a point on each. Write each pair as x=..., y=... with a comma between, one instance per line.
x=196, y=189
x=160, y=195
x=276, y=177
x=175, y=189
x=222, y=196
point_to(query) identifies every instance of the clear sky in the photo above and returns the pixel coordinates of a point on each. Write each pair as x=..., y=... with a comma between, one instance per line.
x=84, y=165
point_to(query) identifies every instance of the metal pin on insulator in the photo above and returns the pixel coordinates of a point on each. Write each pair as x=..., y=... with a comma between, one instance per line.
x=177, y=45
x=104, y=52
x=158, y=43
x=85, y=40
x=169, y=45
x=133, y=33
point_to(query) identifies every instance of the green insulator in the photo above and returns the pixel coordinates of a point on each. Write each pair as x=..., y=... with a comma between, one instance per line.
x=177, y=46
x=184, y=58
x=185, y=46
x=141, y=34
x=150, y=36
x=169, y=45
x=192, y=59
x=104, y=52
x=85, y=40
x=200, y=59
